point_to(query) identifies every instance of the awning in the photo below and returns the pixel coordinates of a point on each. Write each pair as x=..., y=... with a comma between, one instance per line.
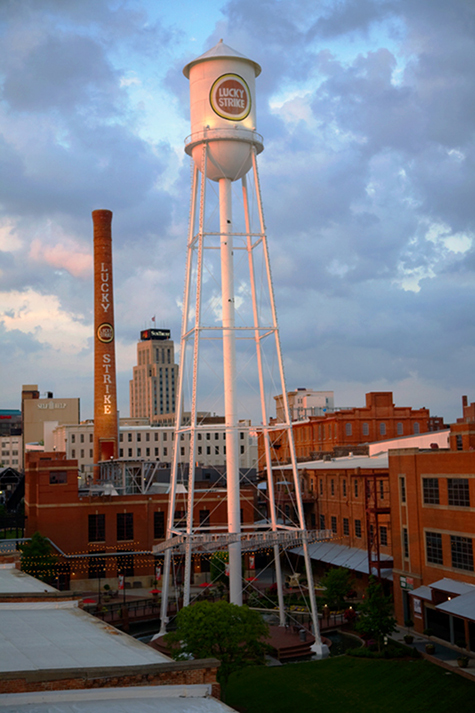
x=463, y=606
x=342, y=556
x=452, y=586
x=422, y=592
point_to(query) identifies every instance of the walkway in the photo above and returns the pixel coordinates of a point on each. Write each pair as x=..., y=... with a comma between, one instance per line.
x=444, y=655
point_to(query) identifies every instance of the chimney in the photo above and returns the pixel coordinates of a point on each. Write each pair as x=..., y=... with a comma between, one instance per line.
x=105, y=391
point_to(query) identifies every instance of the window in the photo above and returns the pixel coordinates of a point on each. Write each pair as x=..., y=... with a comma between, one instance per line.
x=208, y=436
x=430, y=491
x=121, y=437
x=165, y=436
x=348, y=429
x=96, y=566
x=416, y=428
x=241, y=435
x=356, y=488
x=383, y=536
x=208, y=450
x=321, y=486
x=402, y=488
x=147, y=451
x=125, y=565
x=322, y=522
x=125, y=526
x=165, y=451
x=333, y=524
x=182, y=450
x=156, y=436
x=204, y=517
x=60, y=476
x=73, y=438
x=73, y=453
x=458, y=492
x=382, y=429
x=200, y=449
x=346, y=527
x=121, y=452
x=156, y=451
x=147, y=436
x=434, y=548
x=199, y=436
x=139, y=452
x=344, y=488
x=242, y=450
x=381, y=489
x=139, y=437
x=130, y=452
x=459, y=442
x=462, y=552
x=96, y=528
x=129, y=437
x=357, y=528
x=82, y=437
x=405, y=543
x=365, y=429
x=90, y=438
x=90, y=452
x=332, y=486
x=179, y=518
x=82, y=452
x=158, y=525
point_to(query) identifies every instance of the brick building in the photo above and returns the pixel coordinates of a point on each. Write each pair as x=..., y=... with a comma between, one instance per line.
x=343, y=431
x=103, y=533
x=433, y=527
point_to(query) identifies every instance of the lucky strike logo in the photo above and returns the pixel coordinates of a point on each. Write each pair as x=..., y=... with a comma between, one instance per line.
x=230, y=97
x=105, y=333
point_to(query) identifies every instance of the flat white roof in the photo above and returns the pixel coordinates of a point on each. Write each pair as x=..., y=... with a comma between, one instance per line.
x=33, y=639
x=140, y=699
x=377, y=461
x=13, y=581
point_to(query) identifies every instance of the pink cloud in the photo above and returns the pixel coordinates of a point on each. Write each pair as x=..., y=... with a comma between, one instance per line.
x=66, y=255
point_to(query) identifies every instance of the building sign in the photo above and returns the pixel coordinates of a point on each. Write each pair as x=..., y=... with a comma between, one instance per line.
x=417, y=606
x=105, y=333
x=105, y=287
x=230, y=97
x=51, y=404
x=406, y=582
x=147, y=334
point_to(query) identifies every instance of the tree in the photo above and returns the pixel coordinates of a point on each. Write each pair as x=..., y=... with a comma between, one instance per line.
x=376, y=619
x=337, y=583
x=37, y=560
x=234, y=635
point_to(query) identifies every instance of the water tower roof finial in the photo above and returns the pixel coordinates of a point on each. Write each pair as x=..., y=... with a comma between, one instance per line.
x=222, y=51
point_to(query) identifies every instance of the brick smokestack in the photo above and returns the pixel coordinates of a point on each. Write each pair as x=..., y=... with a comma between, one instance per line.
x=105, y=391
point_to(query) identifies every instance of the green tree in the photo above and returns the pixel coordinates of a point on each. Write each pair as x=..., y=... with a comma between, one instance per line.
x=376, y=613
x=337, y=583
x=234, y=635
x=218, y=563
x=37, y=560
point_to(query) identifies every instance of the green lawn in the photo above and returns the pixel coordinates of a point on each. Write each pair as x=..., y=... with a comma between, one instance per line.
x=347, y=684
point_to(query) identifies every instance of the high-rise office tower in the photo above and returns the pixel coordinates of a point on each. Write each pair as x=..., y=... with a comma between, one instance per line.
x=153, y=386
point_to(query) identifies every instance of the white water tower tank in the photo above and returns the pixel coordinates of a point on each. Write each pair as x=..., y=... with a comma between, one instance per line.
x=223, y=112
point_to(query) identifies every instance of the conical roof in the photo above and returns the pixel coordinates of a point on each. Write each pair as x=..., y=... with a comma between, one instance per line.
x=222, y=51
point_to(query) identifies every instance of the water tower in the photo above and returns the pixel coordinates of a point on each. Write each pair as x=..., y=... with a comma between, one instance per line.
x=222, y=308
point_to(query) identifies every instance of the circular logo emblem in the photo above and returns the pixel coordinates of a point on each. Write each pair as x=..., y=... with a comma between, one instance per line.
x=105, y=333
x=230, y=97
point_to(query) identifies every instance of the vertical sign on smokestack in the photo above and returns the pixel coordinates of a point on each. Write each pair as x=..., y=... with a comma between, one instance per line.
x=105, y=392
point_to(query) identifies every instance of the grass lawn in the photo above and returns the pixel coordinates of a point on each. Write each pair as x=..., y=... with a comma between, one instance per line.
x=350, y=684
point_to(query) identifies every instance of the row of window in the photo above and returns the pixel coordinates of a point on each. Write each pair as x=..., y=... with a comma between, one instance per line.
x=344, y=488
x=218, y=435
x=383, y=530
x=156, y=452
x=81, y=438
x=81, y=453
x=124, y=527
x=458, y=491
x=461, y=550
x=125, y=524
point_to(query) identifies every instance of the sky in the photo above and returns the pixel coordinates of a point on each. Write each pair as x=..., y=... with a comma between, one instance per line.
x=367, y=108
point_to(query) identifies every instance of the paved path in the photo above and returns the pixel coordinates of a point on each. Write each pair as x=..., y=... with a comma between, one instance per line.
x=443, y=653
